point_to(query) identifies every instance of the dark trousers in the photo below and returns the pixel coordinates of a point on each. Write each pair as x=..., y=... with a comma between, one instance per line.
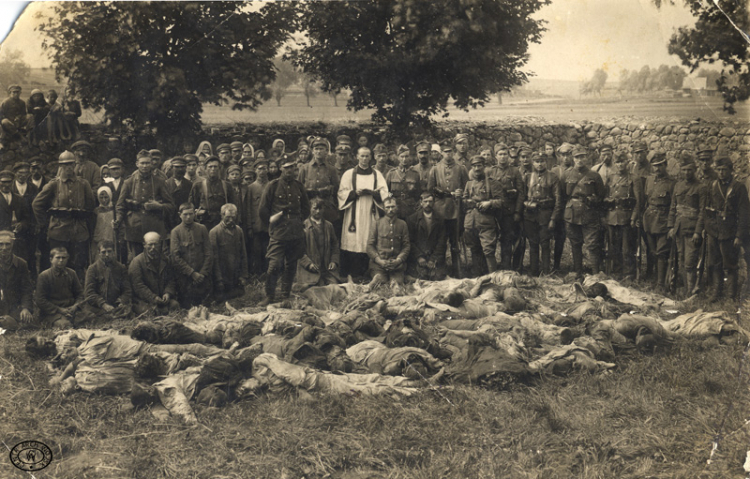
x=623, y=243
x=258, y=262
x=584, y=238
x=509, y=234
x=25, y=248
x=559, y=237
x=354, y=264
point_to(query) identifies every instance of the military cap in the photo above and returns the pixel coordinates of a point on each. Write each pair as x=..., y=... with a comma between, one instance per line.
x=259, y=162
x=178, y=161
x=686, y=159
x=722, y=160
x=190, y=157
x=35, y=161
x=142, y=154
x=521, y=145
x=621, y=156
x=607, y=144
x=80, y=144
x=236, y=145
x=461, y=137
x=343, y=140
x=499, y=147
x=565, y=148
x=423, y=146
x=212, y=159
x=248, y=173
x=525, y=147
x=14, y=88
x=223, y=146
x=658, y=157
x=318, y=141
x=477, y=160
x=579, y=150
x=537, y=157
x=640, y=146
x=155, y=152
x=66, y=158
x=6, y=175
x=20, y=165
x=402, y=149
x=446, y=146
x=343, y=148
x=115, y=162
x=234, y=168
x=379, y=148
x=286, y=160
x=705, y=151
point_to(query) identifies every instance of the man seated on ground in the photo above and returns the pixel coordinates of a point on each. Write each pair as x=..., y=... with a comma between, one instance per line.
x=230, y=256
x=319, y=266
x=388, y=248
x=59, y=294
x=15, y=286
x=152, y=277
x=107, y=288
x=428, y=242
x=192, y=257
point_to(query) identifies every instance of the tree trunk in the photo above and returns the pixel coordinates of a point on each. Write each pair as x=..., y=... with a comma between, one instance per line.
x=307, y=97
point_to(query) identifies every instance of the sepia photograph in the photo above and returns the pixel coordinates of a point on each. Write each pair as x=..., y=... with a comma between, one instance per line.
x=370, y=239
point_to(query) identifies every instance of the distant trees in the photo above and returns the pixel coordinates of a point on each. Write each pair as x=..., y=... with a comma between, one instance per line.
x=13, y=69
x=310, y=89
x=596, y=84
x=407, y=59
x=652, y=79
x=286, y=76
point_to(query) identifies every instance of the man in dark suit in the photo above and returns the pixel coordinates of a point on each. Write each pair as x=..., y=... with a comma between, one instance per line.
x=26, y=240
x=178, y=186
x=427, y=234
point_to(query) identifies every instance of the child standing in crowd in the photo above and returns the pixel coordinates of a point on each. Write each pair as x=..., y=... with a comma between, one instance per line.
x=104, y=215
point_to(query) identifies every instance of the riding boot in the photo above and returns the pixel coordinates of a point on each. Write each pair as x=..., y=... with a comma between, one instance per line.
x=518, y=254
x=491, y=262
x=732, y=284
x=507, y=259
x=534, y=260
x=717, y=280
x=271, y=278
x=454, y=263
x=661, y=273
x=287, y=279
x=689, y=282
x=545, y=260
x=577, y=260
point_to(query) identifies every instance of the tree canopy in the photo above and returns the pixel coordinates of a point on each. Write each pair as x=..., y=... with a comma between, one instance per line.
x=719, y=36
x=650, y=79
x=152, y=64
x=596, y=84
x=408, y=58
x=13, y=69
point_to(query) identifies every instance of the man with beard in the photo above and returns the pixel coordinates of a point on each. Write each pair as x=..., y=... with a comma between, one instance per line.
x=283, y=207
x=683, y=218
x=107, y=288
x=67, y=204
x=144, y=205
x=447, y=182
x=36, y=169
x=388, y=248
x=192, y=257
x=513, y=194
x=16, y=300
x=482, y=199
x=404, y=184
x=258, y=263
x=209, y=194
x=423, y=166
x=229, y=256
x=319, y=266
x=361, y=192
x=59, y=294
x=427, y=235
x=543, y=209
x=153, y=278
x=85, y=168
x=582, y=190
x=321, y=181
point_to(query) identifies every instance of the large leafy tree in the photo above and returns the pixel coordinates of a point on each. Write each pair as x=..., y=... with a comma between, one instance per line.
x=152, y=64
x=408, y=58
x=719, y=36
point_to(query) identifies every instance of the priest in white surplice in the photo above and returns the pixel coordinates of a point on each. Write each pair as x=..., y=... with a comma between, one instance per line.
x=362, y=190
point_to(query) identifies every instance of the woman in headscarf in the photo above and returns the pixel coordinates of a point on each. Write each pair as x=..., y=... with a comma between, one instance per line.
x=204, y=151
x=104, y=215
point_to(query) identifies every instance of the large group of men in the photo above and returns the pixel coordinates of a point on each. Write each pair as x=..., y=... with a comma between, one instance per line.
x=194, y=228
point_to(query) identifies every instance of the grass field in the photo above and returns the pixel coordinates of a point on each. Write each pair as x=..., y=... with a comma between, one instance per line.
x=654, y=416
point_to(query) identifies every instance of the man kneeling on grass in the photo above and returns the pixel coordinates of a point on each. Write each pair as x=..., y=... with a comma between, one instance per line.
x=107, y=288
x=59, y=294
x=388, y=248
x=16, y=288
x=153, y=278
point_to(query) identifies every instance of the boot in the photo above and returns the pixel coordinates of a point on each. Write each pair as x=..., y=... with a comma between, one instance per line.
x=577, y=260
x=287, y=279
x=534, y=260
x=661, y=273
x=454, y=264
x=717, y=280
x=270, y=288
x=507, y=258
x=732, y=284
x=545, y=261
x=690, y=282
x=491, y=262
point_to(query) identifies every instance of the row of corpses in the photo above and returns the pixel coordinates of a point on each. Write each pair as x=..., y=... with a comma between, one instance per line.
x=490, y=331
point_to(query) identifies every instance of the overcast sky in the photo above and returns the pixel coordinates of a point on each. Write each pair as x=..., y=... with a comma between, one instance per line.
x=582, y=35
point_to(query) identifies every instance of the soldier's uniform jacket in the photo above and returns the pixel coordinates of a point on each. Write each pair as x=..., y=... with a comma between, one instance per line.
x=444, y=180
x=291, y=198
x=623, y=200
x=639, y=172
x=686, y=206
x=69, y=204
x=191, y=249
x=406, y=187
x=211, y=195
x=135, y=193
x=475, y=192
x=582, y=192
x=658, y=193
x=424, y=174
x=543, y=201
x=512, y=187
x=706, y=176
x=726, y=211
x=321, y=181
x=389, y=239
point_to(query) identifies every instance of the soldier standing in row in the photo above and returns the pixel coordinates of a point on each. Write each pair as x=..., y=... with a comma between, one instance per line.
x=321, y=181
x=640, y=169
x=388, y=248
x=513, y=193
x=658, y=193
x=566, y=162
x=582, y=192
x=423, y=166
x=404, y=184
x=683, y=218
x=483, y=202
x=622, y=210
x=543, y=210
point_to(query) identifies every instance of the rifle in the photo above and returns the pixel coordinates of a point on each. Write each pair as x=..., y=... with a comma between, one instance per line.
x=672, y=269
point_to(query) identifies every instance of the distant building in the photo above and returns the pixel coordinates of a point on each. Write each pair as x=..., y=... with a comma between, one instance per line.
x=698, y=87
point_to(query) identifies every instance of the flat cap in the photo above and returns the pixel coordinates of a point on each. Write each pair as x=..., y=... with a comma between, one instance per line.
x=640, y=146
x=658, y=157
x=236, y=145
x=423, y=146
x=248, y=173
x=178, y=161
x=20, y=165
x=212, y=159
x=477, y=160
x=223, y=146
x=446, y=146
x=461, y=137
x=36, y=161
x=260, y=162
x=66, y=158
x=499, y=147
x=343, y=148
x=343, y=139
x=14, y=88
x=190, y=158
x=115, y=162
x=686, y=159
x=6, y=175
x=143, y=154
x=80, y=144
x=607, y=144
x=705, y=151
x=379, y=148
x=722, y=160
x=565, y=148
x=318, y=141
x=155, y=152
x=234, y=168
x=579, y=150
